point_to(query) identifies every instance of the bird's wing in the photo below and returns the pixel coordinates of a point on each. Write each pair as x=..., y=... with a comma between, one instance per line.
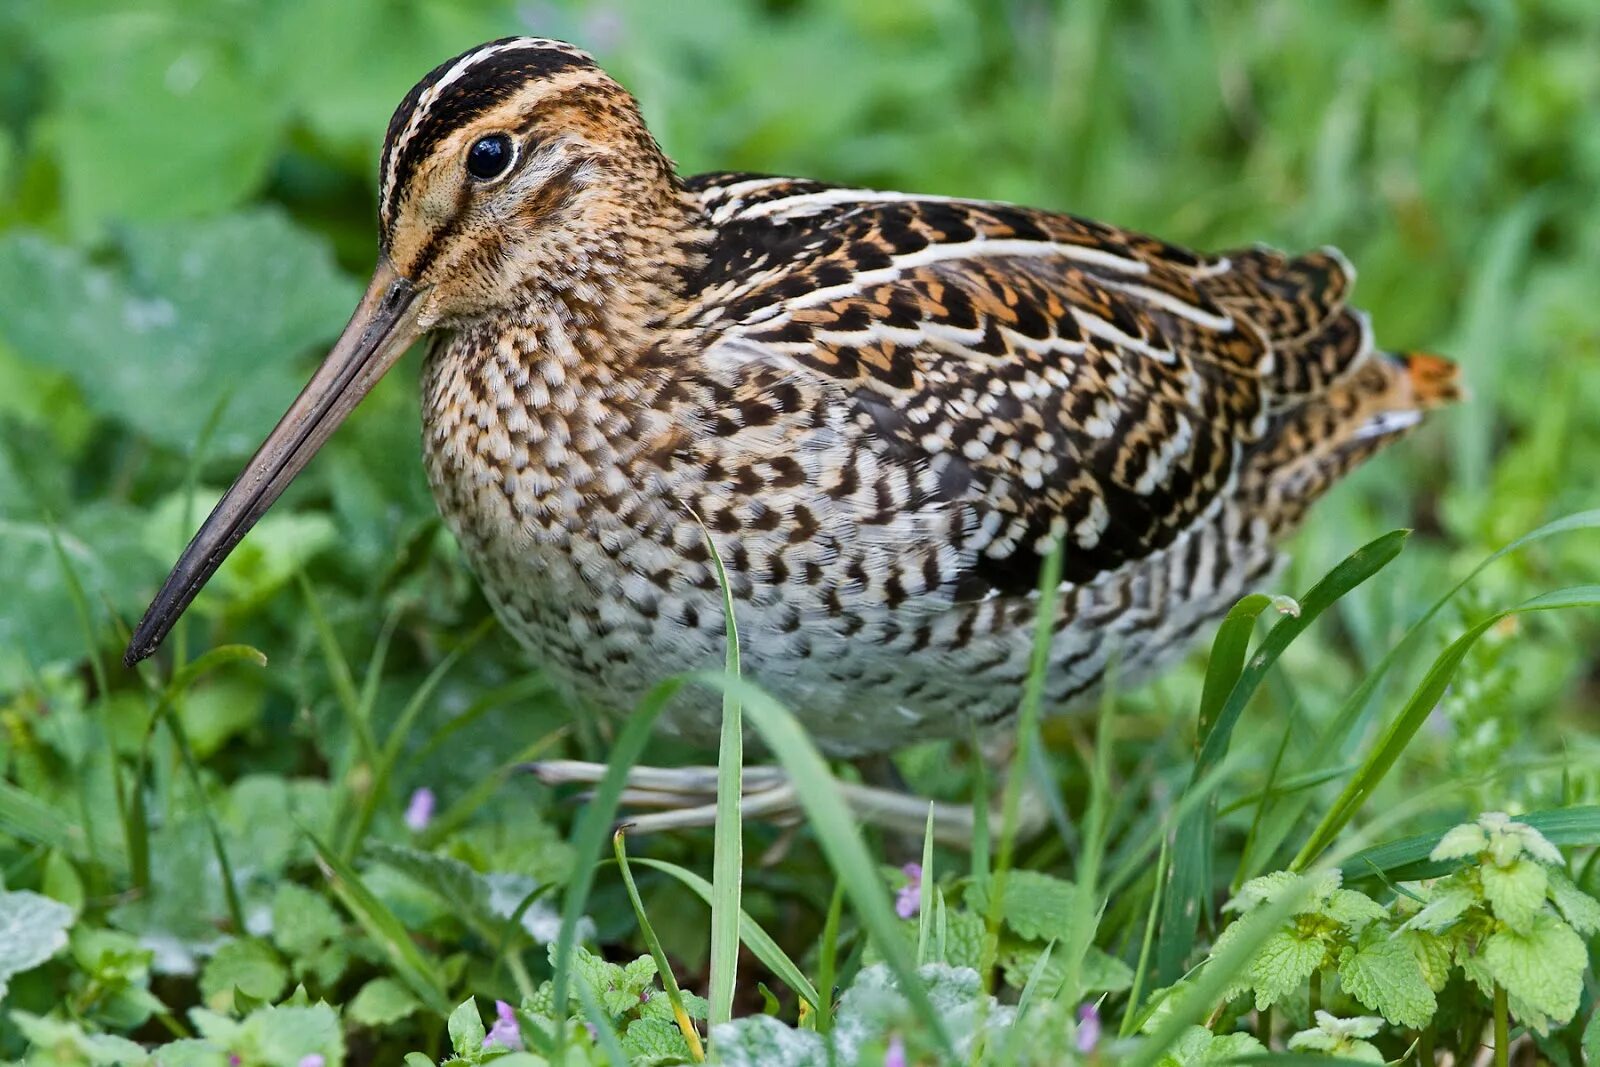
x=1057, y=376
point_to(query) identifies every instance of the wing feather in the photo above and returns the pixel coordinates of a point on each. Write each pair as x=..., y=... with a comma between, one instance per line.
x=1054, y=375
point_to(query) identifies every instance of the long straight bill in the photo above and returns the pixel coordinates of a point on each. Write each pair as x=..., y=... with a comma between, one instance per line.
x=378, y=334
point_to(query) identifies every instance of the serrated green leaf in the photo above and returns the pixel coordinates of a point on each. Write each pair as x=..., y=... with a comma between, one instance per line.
x=1446, y=902
x=1282, y=964
x=55, y=1037
x=303, y=921
x=763, y=1041
x=192, y=1053
x=1543, y=968
x=651, y=1041
x=1229, y=1048
x=251, y=966
x=1580, y=909
x=1036, y=906
x=1460, y=842
x=1383, y=973
x=33, y=928
x=1515, y=892
x=1432, y=953
x=1097, y=973
x=465, y=1027
x=1352, y=909
x=290, y=1034
x=381, y=1002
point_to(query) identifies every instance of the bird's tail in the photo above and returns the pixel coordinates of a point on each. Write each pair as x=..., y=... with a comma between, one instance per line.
x=1311, y=445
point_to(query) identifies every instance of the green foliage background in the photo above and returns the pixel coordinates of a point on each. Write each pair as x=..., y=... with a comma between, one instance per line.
x=186, y=207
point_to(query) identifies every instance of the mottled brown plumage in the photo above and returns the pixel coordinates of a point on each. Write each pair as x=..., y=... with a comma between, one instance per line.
x=883, y=408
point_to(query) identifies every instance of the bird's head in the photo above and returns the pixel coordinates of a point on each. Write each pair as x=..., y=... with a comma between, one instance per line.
x=517, y=172
x=519, y=163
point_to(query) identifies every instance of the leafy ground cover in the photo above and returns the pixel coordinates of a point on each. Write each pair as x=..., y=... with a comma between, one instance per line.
x=1366, y=830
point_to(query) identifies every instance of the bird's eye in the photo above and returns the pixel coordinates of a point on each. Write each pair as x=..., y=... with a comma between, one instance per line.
x=491, y=156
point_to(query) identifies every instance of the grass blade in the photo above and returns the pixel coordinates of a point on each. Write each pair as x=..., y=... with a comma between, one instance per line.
x=727, y=856
x=589, y=835
x=925, y=891
x=840, y=839
x=669, y=981
x=389, y=755
x=1142, y=969
x=1195, y=1003
x=1415, y=712
x=757, y=940
x=1406, y=860
x=1227, y=660
x=605, y=1032
x=828, y=960
x=1342, y=730
x=382, y=926
x=1189, y=880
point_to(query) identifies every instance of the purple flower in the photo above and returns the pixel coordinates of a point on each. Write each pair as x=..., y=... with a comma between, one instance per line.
x=505, y=1031
x=234, y=1060
x=419, y=812
x=313, y=1059
x=1088, y=1027
x=895, y=1054
x=908, y=901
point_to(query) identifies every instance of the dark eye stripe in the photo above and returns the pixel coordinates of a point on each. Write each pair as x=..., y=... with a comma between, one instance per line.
x=488, y=82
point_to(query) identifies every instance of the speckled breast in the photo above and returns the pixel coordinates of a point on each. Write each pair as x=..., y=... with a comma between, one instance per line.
x=597, y=566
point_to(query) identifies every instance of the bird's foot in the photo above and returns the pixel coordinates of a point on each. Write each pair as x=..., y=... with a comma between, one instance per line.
x=685, y=797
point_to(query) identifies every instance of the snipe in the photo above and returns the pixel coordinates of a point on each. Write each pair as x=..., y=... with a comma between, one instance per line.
x=883, y=406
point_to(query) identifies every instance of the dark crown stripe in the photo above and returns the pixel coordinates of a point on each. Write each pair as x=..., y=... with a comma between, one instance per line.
x=480, y=78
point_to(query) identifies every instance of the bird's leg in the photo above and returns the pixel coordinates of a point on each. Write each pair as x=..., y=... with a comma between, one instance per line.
x=686, y=797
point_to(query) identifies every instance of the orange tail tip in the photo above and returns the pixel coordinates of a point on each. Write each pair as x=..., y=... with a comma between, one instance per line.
x=1435, y=381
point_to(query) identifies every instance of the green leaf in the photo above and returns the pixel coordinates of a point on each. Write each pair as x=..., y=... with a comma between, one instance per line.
x=1406, y=860
x=287, y=1035
x=655, y=1041
x=303, y=921
x=1446, y=902
x=468, y=893
x=727, y=853
x=1385, y=975
x=379, y=922
x=466, y=1030
x=150, y=88
x=33, y=928
x=1352, y=909
x=1580, y=909
x=381, y=1002
x=1097, y=972
x=196, y=315
x=757, y=940
x=1515, y=892
x=1284, y=961
x=1433, y=956
x=54, y=1037
x=763, y=1041
x=1036, y=906
x=246, y=964
x=838, y=836
x=1542, y=968
x=1460, y=842
x=1416, y=711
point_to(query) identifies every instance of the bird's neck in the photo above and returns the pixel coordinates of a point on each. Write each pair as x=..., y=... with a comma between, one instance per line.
x=564, y=399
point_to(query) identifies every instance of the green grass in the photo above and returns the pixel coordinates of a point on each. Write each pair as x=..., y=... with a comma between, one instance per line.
x=186, y=205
